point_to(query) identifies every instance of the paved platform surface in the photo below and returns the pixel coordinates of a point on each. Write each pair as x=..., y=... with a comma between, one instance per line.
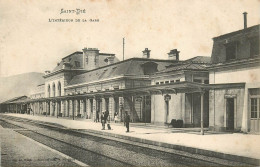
x=18, y=150
x=246, y=145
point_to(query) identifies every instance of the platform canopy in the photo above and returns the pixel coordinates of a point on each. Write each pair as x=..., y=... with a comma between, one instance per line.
x=171, y=88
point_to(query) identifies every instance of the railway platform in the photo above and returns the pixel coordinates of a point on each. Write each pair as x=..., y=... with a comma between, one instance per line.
x=228, y=145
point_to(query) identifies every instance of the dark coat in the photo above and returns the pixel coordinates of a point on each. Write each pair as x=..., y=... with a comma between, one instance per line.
x=103, y=118
x=106, y=114
x=127, y=118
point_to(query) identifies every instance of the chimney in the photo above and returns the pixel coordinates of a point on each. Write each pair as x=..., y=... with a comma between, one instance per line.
x=173, y=55
x=245, y=20
x=146, y=53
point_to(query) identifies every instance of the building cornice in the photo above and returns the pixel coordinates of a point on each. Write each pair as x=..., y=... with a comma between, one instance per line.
x=107, y=80
x=237, y=64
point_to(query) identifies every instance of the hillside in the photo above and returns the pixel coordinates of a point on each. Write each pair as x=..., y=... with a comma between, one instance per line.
x=19, y=85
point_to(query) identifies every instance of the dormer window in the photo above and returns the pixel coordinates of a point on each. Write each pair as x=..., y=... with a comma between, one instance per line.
x=77, y=63
x=149, y=67
x=231, y=51
x=254, y=46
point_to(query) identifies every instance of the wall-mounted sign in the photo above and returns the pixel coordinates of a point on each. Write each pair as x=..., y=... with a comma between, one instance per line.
x=139, y=98
x=167, y=97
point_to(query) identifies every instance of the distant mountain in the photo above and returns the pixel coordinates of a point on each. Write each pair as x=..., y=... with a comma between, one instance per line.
x=19, y=85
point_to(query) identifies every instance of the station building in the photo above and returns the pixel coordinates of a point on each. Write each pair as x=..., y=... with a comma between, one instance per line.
x=236, y=63
x=221, y=92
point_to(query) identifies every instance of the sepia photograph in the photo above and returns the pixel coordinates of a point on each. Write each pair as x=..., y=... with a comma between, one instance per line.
x=129, y=83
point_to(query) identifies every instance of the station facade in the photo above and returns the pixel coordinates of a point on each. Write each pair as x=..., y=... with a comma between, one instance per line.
x=221, y=92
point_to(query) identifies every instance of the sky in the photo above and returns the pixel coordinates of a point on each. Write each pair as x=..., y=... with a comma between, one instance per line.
x=30, y=43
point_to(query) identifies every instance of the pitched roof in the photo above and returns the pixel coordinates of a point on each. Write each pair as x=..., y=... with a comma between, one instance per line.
x=195, y=63
x=58, y=67
x=187, y=66
x=242, y=31
x=128, y=67
x=102, y=57
x=199, y=59
x=16, y=99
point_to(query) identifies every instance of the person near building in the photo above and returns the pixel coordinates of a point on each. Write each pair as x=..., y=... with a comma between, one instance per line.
x=31, y=111
x=97, y=116
x=116, y=118
x=106, y=114
x=127, y=120
x=103, y=120
x=108, y=123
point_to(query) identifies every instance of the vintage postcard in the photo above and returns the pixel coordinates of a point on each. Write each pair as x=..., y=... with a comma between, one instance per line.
x=129, y=83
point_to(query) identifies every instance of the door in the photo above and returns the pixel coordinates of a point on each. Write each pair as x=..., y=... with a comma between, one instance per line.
x=255, y=115
x=230, y=113
x=147, y=109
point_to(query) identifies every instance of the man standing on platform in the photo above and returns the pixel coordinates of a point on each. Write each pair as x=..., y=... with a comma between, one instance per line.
x=103, y=120
x=127, y=120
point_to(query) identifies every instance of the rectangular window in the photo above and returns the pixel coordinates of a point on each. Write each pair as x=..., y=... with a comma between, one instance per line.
x=161, y=82
x=116, y=87
x=166, y=82
x=177, y=80
x=157, y=83
x=253, y=107
x=254, y=47
x=77, y=63
x=172, y=81
x=231, y=51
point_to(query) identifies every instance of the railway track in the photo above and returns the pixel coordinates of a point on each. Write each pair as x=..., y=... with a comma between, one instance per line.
x=77, y=150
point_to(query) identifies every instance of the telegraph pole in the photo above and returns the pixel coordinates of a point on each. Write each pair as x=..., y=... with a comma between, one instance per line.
x=123, y=49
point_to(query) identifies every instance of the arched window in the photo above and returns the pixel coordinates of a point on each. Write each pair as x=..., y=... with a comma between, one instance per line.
x=53, y=89
x=49, y=91
x=59, y=89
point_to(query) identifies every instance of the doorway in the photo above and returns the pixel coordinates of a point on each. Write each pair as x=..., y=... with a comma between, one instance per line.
x=147, y=109
x=230, y=110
